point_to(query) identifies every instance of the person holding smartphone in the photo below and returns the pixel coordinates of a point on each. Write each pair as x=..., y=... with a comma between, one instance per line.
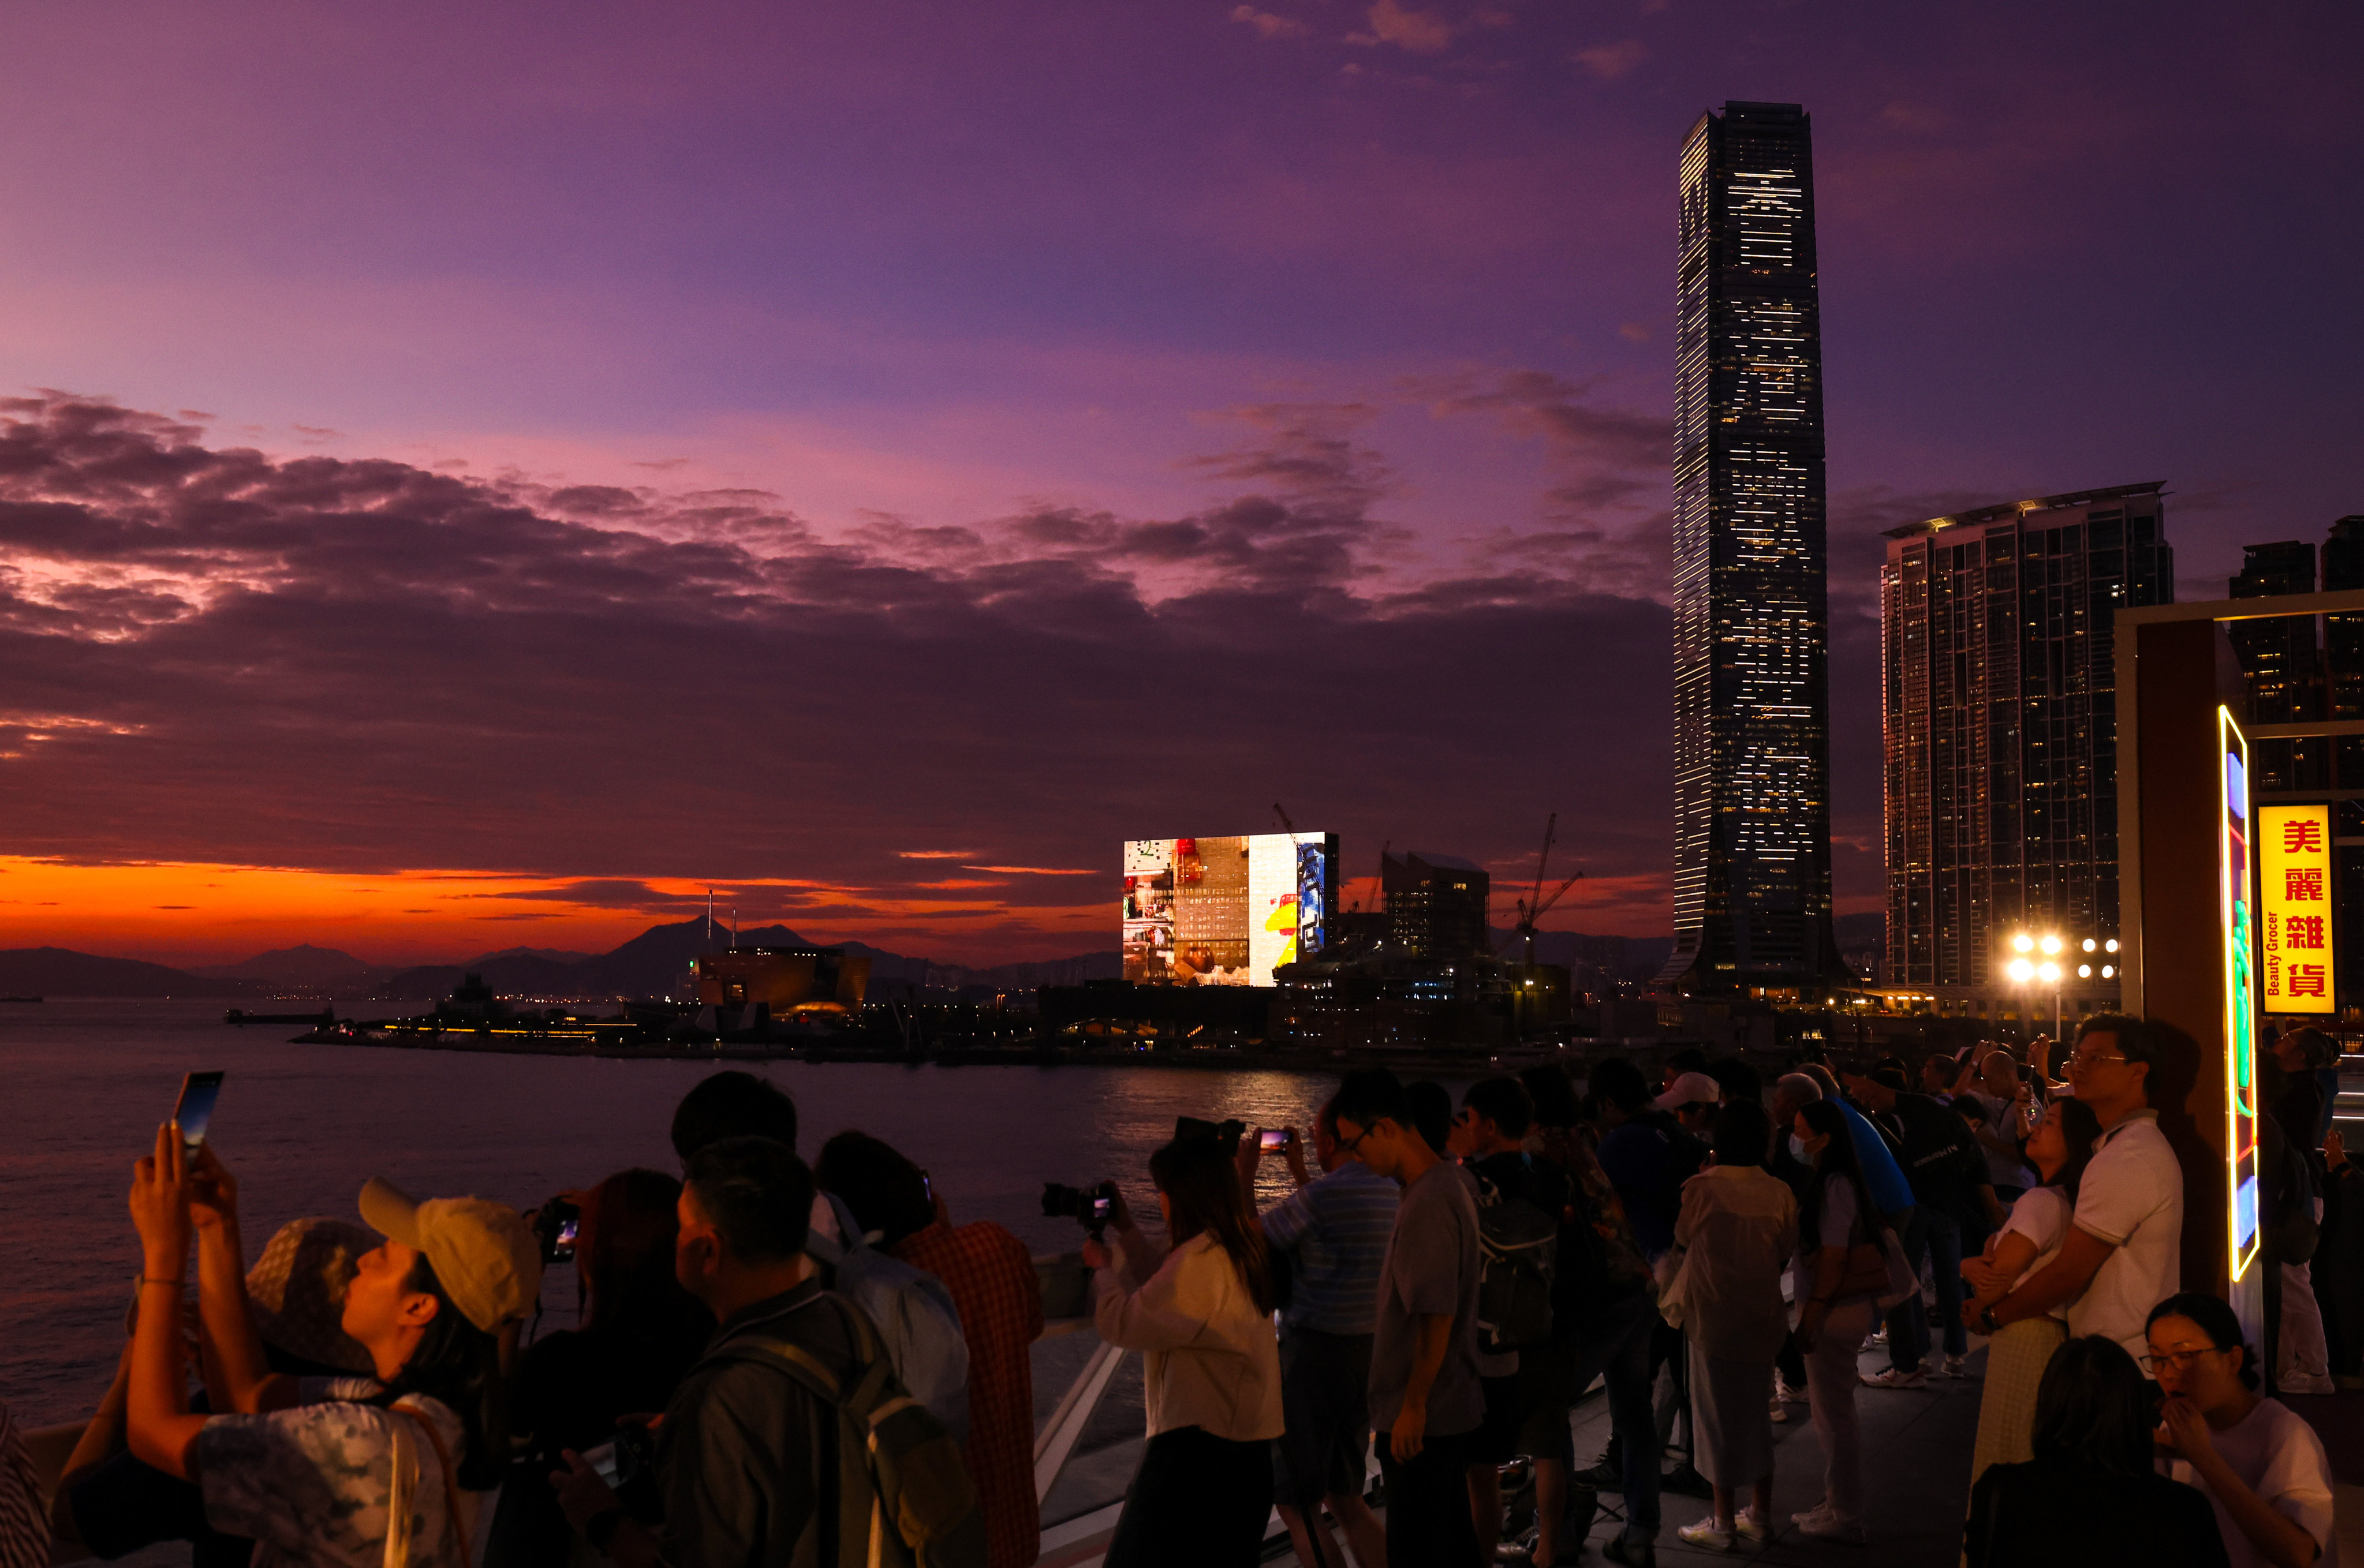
x=321, y=1471
x=1201, y=1308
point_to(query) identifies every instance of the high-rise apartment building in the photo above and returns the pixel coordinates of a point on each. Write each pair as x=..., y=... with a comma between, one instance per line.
x=1435, y=905
x=1752, y=709
x=2281, y=664
x=1999, y=707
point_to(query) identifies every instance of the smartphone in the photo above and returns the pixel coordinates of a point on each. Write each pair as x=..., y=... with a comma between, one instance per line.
x=1103, y=1209
x=197, y=1108
x=1273, y=1138
x=566, y=1234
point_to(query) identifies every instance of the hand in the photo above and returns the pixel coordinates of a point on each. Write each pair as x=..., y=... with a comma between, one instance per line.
x=2182, y=1427
x=1097, y=1255
x=581, y=1495
x=2334, y=1149
x=213, y=1191
x=1294, y=1152
x=1119, y=1212
x=1409, y=1434
x=160, y=1206
x=1981, y=1272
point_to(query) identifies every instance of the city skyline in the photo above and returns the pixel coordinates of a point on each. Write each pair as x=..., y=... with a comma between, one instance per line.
x=869, y=461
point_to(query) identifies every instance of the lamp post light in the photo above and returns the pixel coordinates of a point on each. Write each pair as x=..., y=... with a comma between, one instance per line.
x=2044, y=958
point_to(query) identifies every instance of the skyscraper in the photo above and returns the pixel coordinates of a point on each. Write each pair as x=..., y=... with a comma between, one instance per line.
x=1998, y=682
x=1752, y=708
x=2281, y=664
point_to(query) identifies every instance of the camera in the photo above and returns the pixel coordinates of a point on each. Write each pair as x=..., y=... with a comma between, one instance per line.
x=555, y=1223
x=1227, y=1134
x=1092, y=1207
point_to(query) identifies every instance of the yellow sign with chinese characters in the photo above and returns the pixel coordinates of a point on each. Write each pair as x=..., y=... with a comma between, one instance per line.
x=2294, y=899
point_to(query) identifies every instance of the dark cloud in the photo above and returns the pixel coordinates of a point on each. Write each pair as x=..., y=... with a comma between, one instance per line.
x=354, y=666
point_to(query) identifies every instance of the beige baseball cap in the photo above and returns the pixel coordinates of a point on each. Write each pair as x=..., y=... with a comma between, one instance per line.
x=296, y=1291
x=488, y=1260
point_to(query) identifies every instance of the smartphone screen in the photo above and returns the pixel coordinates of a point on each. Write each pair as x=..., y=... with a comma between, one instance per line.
x=1102, y=1208
x=566, y=1234
x=197, y=1108
x=1274, y=1138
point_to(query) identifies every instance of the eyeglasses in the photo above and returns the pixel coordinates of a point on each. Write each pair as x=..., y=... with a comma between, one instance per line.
x=1348, y=1145
x=2086, y=1060
x=2180, y=1360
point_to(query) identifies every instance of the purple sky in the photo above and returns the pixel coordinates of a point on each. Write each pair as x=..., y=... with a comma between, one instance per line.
x=1130, y=415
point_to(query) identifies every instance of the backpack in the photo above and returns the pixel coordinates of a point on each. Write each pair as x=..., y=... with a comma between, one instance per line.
x=913, y=1311
x=903, y=1496
x=1518, y=1249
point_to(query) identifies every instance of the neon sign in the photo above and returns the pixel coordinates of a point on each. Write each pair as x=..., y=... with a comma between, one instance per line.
x=2294, y=937
x=2235, y=906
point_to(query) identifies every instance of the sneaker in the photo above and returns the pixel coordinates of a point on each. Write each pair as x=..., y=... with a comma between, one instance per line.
x=1823, y=1523
x=1748, y=1527
x=1878, y=1336
x=1603, y=1476
x=1684, y=1481
x=1780, y=1412
x=1893, y=1378
x=1617, y=1548
x=1787, y=1392
x=1953, y=1365
x=1706, y=1536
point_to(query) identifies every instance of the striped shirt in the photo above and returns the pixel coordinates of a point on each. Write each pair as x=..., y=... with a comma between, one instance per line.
x=24, y=1523
x=1337, y=1225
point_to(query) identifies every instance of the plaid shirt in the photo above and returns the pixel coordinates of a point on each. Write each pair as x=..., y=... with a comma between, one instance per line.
x=991, y=1276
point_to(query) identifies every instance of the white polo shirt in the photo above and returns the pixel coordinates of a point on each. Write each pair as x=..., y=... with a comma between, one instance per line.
x=2132, y=1197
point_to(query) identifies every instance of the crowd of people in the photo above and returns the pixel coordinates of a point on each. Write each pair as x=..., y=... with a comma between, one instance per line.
x=784, y=1363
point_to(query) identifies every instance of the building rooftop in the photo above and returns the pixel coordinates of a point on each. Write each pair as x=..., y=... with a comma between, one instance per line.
x=1997, y=513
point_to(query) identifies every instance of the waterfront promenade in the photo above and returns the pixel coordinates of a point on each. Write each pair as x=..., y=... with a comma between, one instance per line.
x=1916, y=1446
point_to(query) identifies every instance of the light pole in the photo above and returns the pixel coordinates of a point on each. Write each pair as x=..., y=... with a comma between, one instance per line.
x=2039, y=959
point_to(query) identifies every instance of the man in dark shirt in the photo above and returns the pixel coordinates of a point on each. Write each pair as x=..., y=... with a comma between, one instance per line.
x=1938, y=1153
x=736, y=1452
x=1488, y=1138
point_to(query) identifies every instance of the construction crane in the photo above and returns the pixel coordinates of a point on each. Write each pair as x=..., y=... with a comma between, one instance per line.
x=1533, y=908
x=1285, y=824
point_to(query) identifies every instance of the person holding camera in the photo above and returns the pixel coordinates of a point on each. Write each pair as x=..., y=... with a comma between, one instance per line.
x=575, y=1388
x=1426, y=1404
x=1199, y=1309
x=349, y=1473
x=1333, y=1230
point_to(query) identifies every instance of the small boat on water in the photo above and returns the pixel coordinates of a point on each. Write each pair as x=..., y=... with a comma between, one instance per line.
x=19, y=999
x=241, y=1016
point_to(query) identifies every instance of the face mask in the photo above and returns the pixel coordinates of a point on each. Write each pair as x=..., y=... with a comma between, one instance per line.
x=1798, y=1150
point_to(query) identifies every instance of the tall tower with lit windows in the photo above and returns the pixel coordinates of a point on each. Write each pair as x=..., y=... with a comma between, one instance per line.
x=1752, y=704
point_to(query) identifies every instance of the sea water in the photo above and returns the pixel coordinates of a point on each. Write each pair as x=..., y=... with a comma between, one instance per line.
x=84, y=1084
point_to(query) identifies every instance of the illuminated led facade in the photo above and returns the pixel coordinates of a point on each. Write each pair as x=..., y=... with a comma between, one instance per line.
x=1998, y=682
x=1752, y=711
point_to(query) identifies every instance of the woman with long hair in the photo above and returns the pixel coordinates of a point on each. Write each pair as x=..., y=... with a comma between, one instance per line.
x=640, y=1334
x=359, y=1472
x=1839, y=1231
x=2261, y=1466
x=2090, y=1493
x=1202, y=1314
x=2058, y=1148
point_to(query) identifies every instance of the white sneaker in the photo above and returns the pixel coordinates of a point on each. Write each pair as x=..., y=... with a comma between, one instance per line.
x=1786, y=1392
x=1892, y=1378
x=1748, y=1527
x=1704, y=1534
x=1779, y=1412
x=1954, y=1366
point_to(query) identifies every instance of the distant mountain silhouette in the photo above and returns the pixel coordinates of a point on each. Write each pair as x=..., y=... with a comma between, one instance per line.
x=303, y=964
x=59, y=972
x=555, y=955
x=656, y=964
